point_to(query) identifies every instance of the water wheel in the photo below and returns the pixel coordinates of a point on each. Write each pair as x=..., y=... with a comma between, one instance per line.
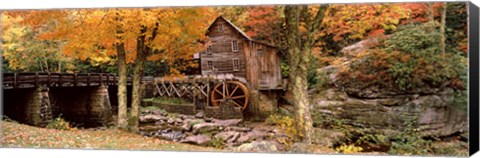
x=234, y=91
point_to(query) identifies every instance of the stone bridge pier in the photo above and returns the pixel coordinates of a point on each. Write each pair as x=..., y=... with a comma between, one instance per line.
x=87, y=106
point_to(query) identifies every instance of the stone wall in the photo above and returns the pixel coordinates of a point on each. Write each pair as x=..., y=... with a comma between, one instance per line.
x=37, y=108
x=225, y=110
x=262, y=104
x=99, y=106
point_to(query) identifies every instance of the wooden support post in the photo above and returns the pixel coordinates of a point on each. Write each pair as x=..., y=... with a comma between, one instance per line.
x=15, y=80
x=36, y=79
x=208, y=91
x=88, y=79
x=75, y=79
x=108, y=79
x=100, y=78
x=48, y=79
x=60, y=80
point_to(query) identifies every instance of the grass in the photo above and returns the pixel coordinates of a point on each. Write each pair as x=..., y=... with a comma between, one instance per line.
x=167, y=100
x=19, y=135
x=150, y=108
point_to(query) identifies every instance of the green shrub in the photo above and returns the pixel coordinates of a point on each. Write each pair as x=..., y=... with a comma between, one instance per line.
x=409, y=144
x=407, y=60
x=217, y=143
x=168, y=100
x=59, y=124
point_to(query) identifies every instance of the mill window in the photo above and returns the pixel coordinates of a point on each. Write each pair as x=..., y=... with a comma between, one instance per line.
x=220, y=27
x=234, y=45
x=236, y=64
x=209, y=65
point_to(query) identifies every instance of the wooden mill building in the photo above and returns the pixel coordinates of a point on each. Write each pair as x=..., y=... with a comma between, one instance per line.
x=231, y=51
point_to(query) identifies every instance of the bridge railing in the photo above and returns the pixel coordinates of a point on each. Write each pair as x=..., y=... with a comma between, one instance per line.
x=34, y=79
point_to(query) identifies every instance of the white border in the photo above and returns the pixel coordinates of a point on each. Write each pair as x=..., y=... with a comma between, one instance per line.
x=49, y=4
x=52, y=4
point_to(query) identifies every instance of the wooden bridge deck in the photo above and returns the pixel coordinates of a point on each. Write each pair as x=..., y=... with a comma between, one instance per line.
x=35, y=79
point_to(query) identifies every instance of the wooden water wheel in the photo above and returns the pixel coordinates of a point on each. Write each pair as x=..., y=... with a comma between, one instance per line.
x=234, y=91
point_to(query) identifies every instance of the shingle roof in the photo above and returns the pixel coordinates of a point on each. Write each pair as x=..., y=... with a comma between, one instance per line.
x=238, y=30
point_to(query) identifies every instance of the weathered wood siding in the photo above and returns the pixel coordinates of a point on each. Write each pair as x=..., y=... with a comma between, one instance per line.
x=258, y=63
x=263, y=66
x=222, y=55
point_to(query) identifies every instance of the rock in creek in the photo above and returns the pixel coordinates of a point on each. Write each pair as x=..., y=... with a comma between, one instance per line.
x=151, y=118
x=238, y=129
x=197, y=139
x=205, y=128
x=230, y=122
x=200, y=114
x=227, y=136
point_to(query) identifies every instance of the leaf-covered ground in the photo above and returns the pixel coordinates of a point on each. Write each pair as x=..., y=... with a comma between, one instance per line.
x=19, y=135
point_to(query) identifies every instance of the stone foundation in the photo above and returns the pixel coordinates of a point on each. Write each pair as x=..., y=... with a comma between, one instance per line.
x=262, y=104
x=37, y=109
x=224, y=111
x=99, y=106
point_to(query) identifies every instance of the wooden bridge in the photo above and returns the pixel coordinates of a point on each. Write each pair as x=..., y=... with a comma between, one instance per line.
x=91, y=98
x=36, y=79
x=37, y=97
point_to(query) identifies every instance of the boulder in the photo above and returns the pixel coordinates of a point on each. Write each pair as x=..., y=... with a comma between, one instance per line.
x=258, y=146
x=255, y=134
x=229, y=122
x=244, y=138
x=189, y=123
x=169, y=134
x=178, y=120
x=150, y=118
x=235, y=137
x=228, y=135
x=160, y=112
x=200, y=114
x=170, y=121
x=197, y=140
x=238, y=129
x=431, y=114
x=205, y=128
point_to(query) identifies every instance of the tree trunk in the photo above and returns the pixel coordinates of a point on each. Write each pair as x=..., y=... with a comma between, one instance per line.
x=46, y=66
x=298, y=61
x=122, y=86
x=59, y=66
x=442, y=28
x=122, y=76
x=137, y=82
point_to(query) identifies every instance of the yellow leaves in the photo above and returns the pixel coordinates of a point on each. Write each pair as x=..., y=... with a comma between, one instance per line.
x=349, y=149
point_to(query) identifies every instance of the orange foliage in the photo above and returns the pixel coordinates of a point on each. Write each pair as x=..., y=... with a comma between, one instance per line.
x=356, y=21
x=89, y=33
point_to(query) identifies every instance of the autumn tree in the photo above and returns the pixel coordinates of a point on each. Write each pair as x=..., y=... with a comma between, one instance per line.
x=349, y=23
x=170, y=35
x=264, y=24
x=302, y=23
x=24, y=52
x=132, y=35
